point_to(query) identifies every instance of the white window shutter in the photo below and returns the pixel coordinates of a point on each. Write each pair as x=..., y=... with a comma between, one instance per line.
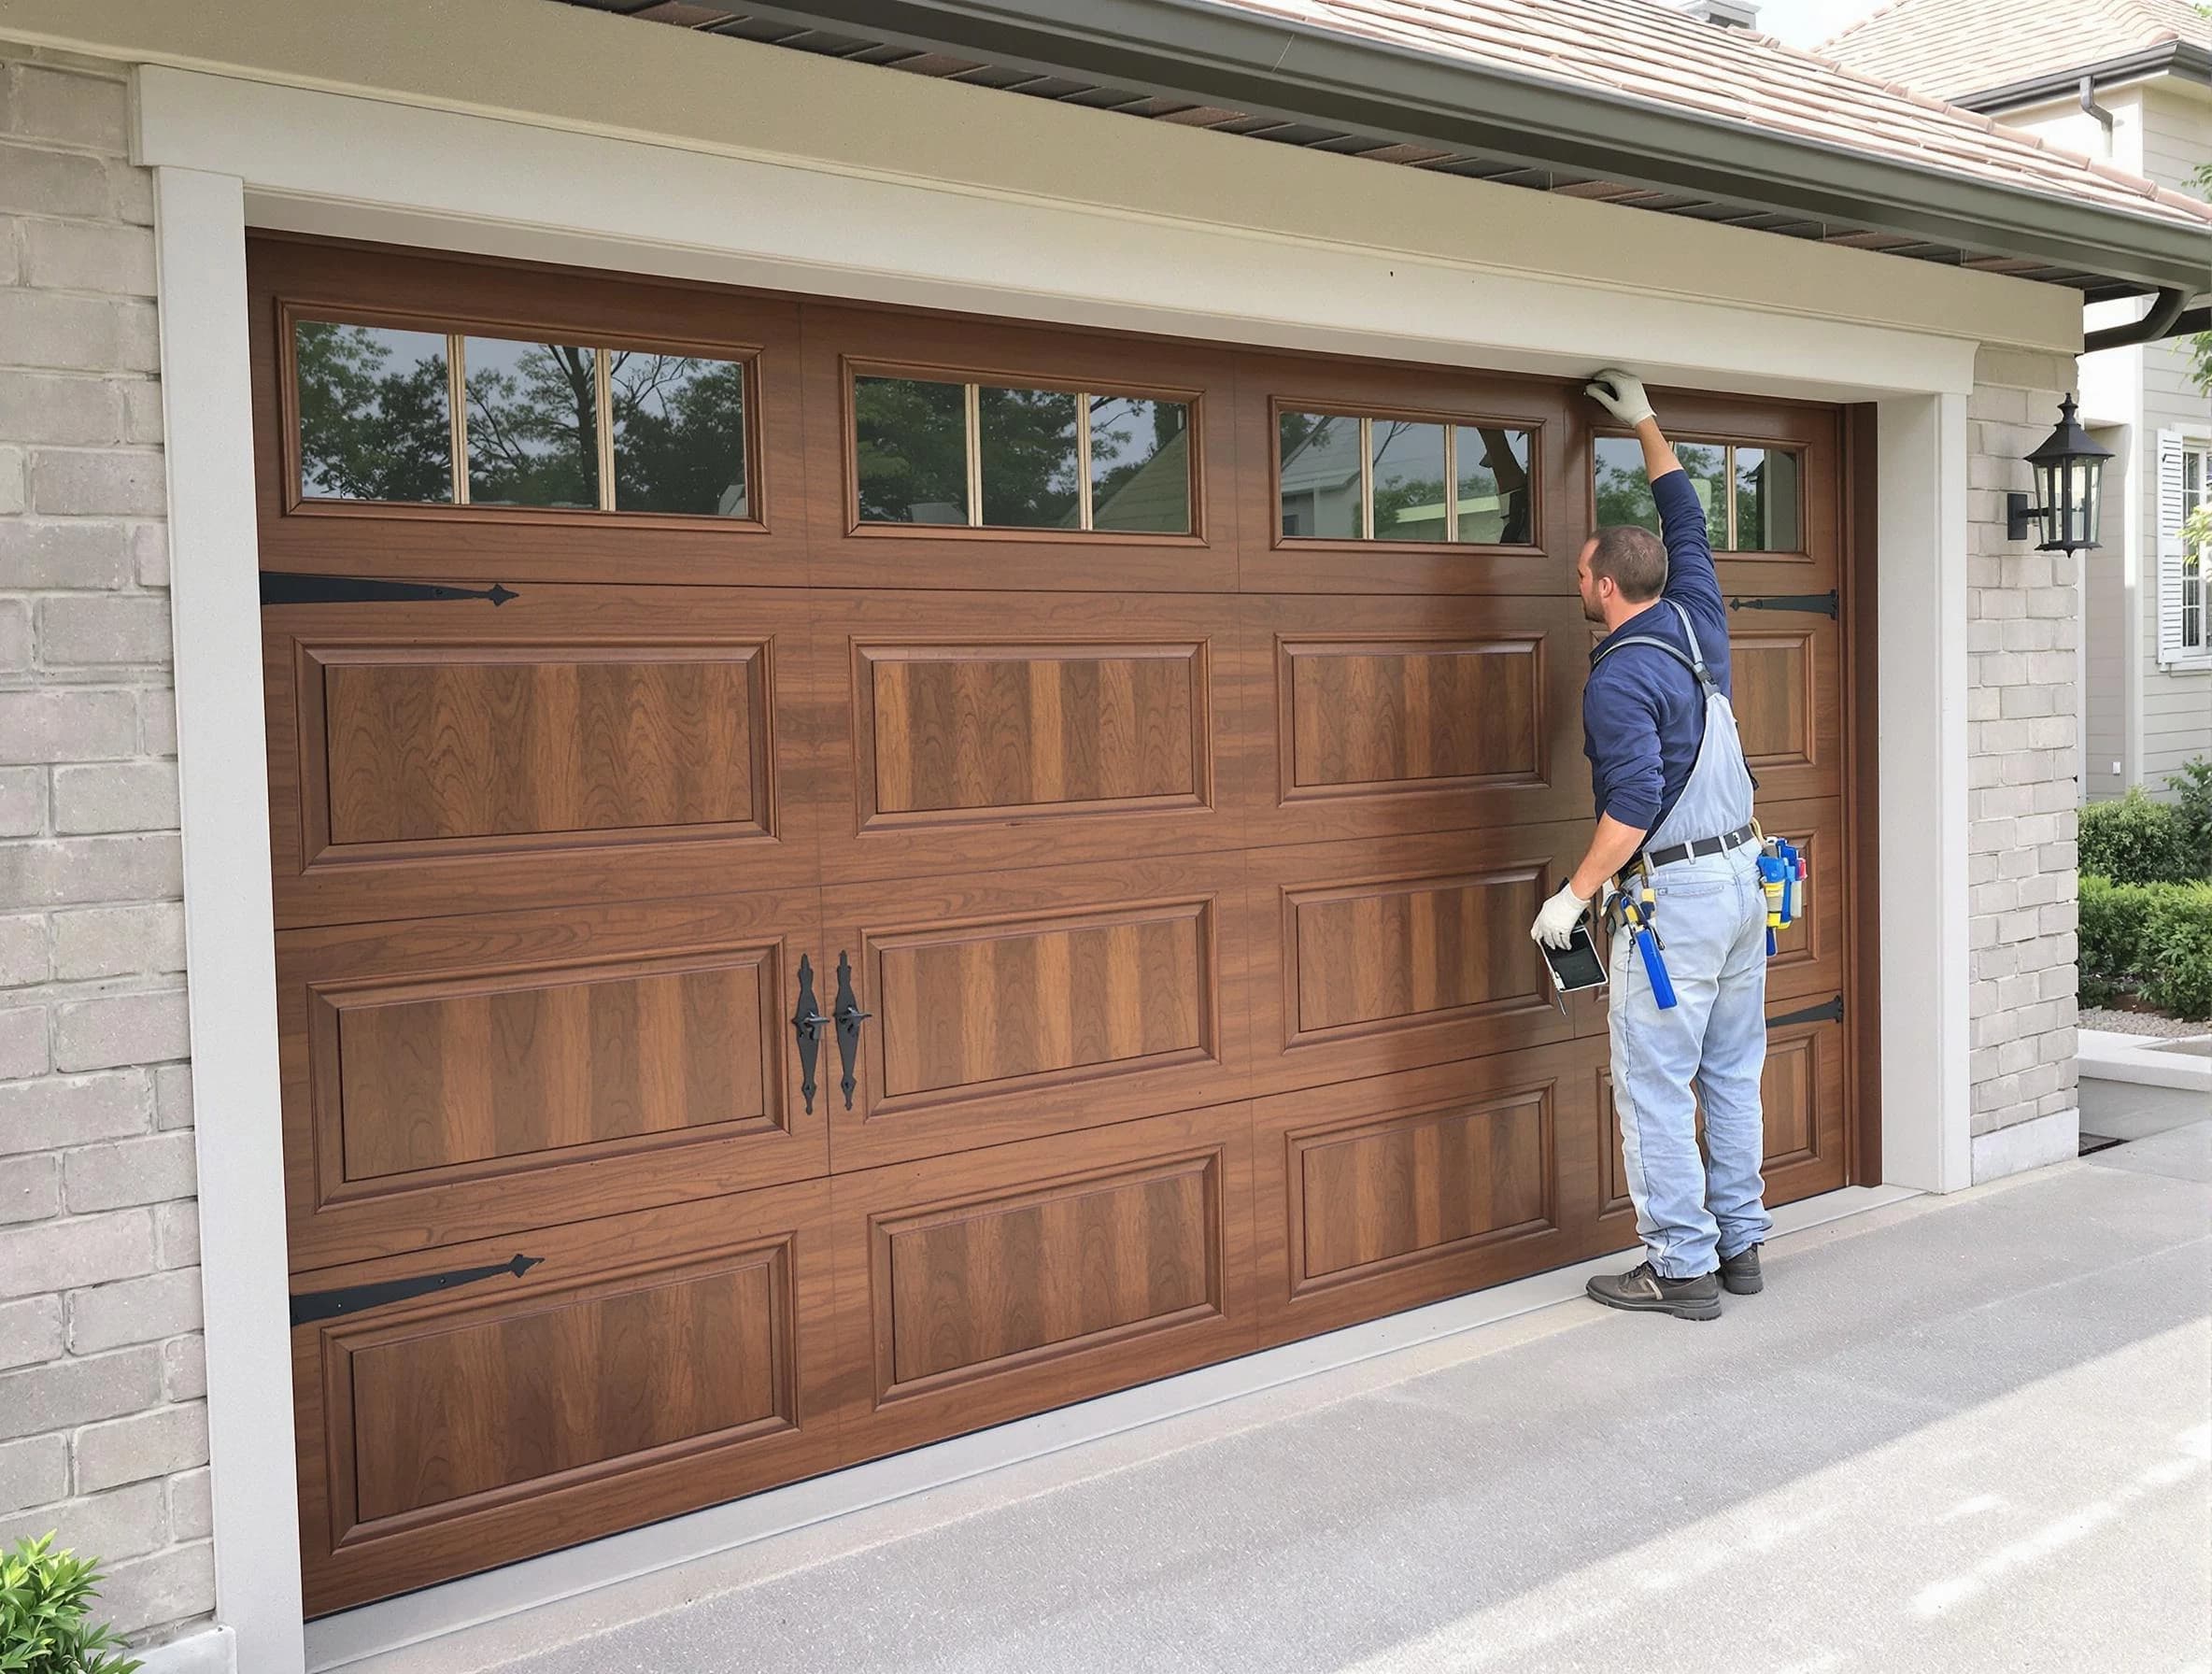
x=2169, y=548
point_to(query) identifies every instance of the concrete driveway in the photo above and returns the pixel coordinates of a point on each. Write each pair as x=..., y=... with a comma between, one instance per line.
x=1964, y=1434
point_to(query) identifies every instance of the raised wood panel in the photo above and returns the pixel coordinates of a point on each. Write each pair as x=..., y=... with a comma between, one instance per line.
x=1395, y=1190
x=518, y=741
x=1032, y=1002
x=576, y=744
x=1412, y=715
x=1023, y=1276
x=1012, y=730
x=1033, y=729
x=1788, y=705
x=1382, y=955
x=1364, y=715
x=447, y=1079
x=644, y=1365
x=450, y=1072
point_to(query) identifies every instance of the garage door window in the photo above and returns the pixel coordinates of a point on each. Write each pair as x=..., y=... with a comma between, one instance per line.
x=1751, y=494
x=929, y=451
x=406, y=416
x=1345, y=478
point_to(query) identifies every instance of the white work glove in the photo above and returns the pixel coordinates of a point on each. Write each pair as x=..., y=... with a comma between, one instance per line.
x=1554, y=926
x=1622, y=394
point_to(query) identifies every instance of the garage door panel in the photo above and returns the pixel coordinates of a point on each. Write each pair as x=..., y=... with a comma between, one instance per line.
x=1387, y=1192
x=448, y=1078
x=1040, y=1001
x=975, y=1287
x=1017, y=730
x=1393, y=715
x=1373, y=957
x=1801, y=1099
x=572, y=743
x=457, y=1413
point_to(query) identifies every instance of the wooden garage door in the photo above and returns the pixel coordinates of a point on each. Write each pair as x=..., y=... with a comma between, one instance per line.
x=845, y=875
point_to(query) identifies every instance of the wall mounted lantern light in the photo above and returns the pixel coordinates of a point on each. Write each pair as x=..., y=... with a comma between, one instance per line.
x=2069, y=481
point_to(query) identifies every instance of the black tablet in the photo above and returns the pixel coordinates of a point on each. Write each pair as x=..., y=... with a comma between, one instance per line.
x=1577, y=965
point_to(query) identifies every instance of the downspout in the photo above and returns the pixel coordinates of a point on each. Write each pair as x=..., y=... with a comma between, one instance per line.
x=2168, y=315
x=2104, y=116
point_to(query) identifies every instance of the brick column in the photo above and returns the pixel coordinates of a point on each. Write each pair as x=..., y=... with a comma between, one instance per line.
x=2023, y=618
x=103, y=1424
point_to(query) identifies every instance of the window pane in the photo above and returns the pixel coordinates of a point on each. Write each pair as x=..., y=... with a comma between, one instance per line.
x=1030, y=459
x=533, y=423
x=1706, y=464
x=1409, y=480
x=1320, y=476
x=679, y=433
x=1494, y=497
x=1622, y=494
x=911, y=443
x=1139, y=465
x=1766, y=517
x=375, y=417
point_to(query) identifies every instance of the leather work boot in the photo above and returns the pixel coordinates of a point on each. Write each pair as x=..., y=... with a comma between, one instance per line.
x=1641, y=1290
x=1740, y=1274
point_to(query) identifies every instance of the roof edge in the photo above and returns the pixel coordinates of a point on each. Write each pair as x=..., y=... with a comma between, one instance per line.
x=2183, y=58
x=1269, y=66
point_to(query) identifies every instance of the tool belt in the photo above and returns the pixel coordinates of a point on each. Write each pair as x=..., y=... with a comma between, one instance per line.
x=1692, y=851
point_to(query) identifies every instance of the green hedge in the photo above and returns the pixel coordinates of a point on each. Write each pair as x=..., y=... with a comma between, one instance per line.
x=2137, y=840
x=2150, y=939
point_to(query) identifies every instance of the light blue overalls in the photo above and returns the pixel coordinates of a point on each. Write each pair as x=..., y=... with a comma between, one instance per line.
x=1711, y=914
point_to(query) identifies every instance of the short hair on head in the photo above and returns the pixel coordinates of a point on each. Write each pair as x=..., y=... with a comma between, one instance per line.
x=1632, y=557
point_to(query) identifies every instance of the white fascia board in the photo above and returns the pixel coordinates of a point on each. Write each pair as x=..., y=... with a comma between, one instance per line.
x=321, y=162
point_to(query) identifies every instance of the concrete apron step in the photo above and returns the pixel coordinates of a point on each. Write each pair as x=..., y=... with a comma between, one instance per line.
x=2183, y=1062
x=543, y=1602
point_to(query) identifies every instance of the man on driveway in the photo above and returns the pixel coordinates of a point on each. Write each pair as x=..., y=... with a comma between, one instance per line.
x=1674, y=809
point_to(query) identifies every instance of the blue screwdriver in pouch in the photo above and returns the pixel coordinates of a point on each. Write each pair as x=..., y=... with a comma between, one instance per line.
x=1637, y=921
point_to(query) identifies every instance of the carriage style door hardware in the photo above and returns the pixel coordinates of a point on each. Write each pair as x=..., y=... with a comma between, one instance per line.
x=285, y=586
x=1823, y=603
x=1827, y=1011
x=808, y=1021
x=849, y=1018
x=328, y=1304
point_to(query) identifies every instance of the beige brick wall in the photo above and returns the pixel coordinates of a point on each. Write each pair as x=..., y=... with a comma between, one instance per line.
x=2023, y=616
x=103, y=1425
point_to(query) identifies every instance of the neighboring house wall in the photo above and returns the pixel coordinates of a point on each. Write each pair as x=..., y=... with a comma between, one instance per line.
x=2022, y=617
x=102, y=1428
x=2148, y=719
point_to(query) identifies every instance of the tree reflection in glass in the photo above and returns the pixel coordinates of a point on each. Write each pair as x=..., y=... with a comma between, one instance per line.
x=374, y=423
x=533, y=423
x=1408, y=472
x=679, y=433
x=1494, y=497
x=1031, y=463
x=910, y=449
x=1139, y=465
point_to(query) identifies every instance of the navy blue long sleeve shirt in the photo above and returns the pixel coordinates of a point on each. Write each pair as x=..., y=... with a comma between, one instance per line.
x=1643, y=715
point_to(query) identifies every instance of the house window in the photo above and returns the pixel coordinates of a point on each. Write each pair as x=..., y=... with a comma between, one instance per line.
x=1752, y=496
x=2196, y=494
x=400, y=415
x=1346, y=478
x=1003, y=456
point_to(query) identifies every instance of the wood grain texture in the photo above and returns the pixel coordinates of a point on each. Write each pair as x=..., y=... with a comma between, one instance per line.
x=1393, y=713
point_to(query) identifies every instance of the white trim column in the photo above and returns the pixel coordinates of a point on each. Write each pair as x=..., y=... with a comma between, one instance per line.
x=230, y=935
x=1926, y=1092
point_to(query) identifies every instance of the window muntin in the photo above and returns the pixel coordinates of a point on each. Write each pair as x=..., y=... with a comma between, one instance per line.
x=1013, y=456
x=1752, y=496
x=406, y=416
x=1346, y=478
x=2196, y=490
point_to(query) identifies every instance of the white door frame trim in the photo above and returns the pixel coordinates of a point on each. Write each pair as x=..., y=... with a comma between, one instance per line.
x=232, y=153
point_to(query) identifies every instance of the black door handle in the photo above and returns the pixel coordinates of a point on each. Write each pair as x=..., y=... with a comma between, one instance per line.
x=849, y=1018
x=808, y=1020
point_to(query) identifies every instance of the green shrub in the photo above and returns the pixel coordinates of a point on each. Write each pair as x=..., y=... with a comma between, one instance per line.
x=2112, y=916
x=43, y=1628
x=2193, y=785
x=2176, y=953
x=2136, y=841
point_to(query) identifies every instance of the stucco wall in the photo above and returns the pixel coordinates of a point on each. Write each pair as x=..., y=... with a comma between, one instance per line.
x=2022, y=620
x=103, y=1426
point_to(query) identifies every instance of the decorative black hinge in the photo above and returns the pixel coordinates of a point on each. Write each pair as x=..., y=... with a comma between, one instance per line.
x=328, y=1304
x=808, y=1020
x=287, y=587
x=1825, y=603
x=849, y=1018
x=1829, y=1011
